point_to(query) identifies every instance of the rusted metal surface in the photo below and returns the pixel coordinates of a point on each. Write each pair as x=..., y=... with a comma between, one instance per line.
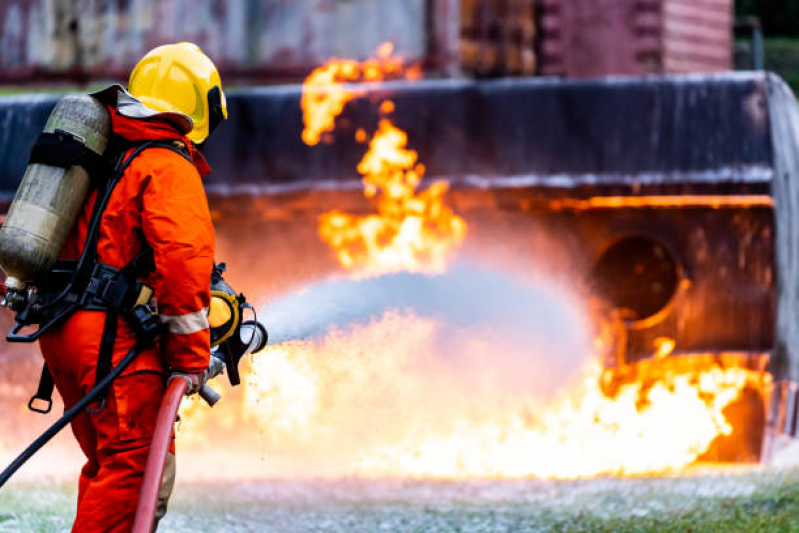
x=671, y=135
x=247, y=38
x=498, y=37
x=281, y=39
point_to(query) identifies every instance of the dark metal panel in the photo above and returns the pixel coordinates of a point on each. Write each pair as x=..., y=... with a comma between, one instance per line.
x=21, y=121
x=684, y=132
x=714, y=128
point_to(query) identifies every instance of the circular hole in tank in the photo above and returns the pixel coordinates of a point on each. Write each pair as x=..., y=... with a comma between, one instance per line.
x=637, y=275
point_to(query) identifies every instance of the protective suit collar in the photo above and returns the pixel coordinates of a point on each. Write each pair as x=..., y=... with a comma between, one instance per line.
x=147, y=125
x=121, y=100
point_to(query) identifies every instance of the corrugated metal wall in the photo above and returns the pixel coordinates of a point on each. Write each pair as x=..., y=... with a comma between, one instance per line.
x=696, y=35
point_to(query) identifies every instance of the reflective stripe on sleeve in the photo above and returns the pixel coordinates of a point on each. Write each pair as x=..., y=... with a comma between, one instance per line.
x=188, y=323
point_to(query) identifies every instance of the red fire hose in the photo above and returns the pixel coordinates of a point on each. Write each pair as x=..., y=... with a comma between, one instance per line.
x=148, y=498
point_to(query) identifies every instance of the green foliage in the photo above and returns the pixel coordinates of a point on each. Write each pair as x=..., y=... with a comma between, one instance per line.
x=779, y=17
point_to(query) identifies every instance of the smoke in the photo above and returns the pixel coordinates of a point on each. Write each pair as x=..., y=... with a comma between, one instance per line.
x=354, y=367
x=538, y=332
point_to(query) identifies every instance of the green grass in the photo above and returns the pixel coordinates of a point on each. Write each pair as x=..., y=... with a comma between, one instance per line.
x=766, y=512
x=743, y=502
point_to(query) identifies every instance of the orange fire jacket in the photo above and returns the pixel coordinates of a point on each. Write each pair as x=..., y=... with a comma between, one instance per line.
x=160, y=202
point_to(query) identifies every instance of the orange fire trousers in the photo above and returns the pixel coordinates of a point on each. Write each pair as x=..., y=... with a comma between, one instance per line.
x=115, y=440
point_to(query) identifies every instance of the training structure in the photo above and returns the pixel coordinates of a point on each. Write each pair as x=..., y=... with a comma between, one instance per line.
x=676, y=196
x=275, y=39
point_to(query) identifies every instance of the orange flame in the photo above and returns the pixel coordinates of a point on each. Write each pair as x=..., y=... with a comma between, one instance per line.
x=663, y=347
x=324, y=96
x=412, y=231
x=375, y=400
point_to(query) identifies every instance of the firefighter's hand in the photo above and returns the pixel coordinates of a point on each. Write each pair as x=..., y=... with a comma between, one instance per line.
x=195, y=380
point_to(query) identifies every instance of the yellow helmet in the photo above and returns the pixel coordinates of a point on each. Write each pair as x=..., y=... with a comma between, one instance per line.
x=181, y=78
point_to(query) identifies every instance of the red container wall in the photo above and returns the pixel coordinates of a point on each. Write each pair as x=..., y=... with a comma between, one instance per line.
x=697, y=35
x=587, y=38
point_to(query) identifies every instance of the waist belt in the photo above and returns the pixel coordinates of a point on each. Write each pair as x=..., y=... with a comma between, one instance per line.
x=117, y=292
x=109, y=289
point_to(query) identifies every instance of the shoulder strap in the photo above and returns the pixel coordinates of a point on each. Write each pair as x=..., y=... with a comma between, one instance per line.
x=140, y=265
x=173, y=146
x=86, y=265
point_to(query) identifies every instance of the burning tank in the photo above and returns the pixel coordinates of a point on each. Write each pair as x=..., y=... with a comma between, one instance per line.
x=666, y=202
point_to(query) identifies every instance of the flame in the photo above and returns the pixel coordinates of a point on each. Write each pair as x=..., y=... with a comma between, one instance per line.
x=413, y=230
x=663, y=347
x=586, y=434
x=378, y=400
x=324, y=95
x=406, y=395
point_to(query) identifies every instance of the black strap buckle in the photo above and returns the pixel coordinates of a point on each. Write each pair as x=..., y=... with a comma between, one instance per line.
x=111, y=289
x=43, y=410
x=44, y=393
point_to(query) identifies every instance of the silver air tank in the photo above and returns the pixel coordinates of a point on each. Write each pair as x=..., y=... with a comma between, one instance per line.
x=49, y=198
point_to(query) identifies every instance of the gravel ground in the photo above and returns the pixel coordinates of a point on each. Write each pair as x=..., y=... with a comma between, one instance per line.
x=730, y=500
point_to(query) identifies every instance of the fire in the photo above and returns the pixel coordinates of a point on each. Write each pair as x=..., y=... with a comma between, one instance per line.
x=587, y=434
x=324, y=95
x=381, y=399
x=663, y=347
x=411, y=395
x=413, y=230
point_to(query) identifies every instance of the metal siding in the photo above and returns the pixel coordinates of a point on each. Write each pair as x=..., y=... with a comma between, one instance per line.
x=599, y=37
x=550, y=41
x=104, y=38
x=498, y=37
x=697, y=35
x=284, y=39
x=677, y=131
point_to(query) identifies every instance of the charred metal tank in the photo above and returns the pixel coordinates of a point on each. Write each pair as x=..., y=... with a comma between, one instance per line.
x=49, y=198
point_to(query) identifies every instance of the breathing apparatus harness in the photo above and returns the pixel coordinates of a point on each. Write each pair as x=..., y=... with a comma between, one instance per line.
x=91, y=285
x=87, y=283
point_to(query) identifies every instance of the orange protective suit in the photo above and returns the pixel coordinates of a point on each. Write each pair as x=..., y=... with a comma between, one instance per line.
x=159, y=201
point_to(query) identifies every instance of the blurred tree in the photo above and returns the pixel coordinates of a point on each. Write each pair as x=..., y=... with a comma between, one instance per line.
x=779, y=17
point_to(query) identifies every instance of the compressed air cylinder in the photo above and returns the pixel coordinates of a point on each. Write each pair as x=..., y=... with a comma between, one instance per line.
x=49, y=198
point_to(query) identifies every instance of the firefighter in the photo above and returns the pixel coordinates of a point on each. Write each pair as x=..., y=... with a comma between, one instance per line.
x=174, y=96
